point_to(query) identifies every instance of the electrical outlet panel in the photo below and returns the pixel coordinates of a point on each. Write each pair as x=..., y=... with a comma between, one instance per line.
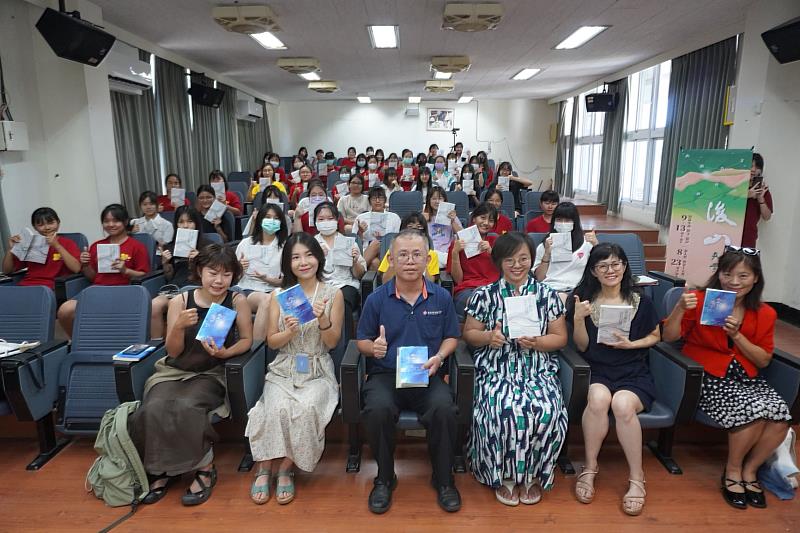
x=13, y=136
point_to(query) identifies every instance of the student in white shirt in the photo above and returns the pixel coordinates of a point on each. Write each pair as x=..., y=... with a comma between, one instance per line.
x=390, y=184
x=441, y=175
x=564, y=276
x=353, y=204
x=151, y=222
x=371, y=237
x=441, y=234
x=260, y=257
x=423, y=182
x=345, y=278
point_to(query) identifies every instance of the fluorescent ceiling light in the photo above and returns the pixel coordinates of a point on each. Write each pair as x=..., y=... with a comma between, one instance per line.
x=465, y=99
x=526, y=74
x=580, y=37
x=364, y=99
x=442, y=75
x=414, y=99
x=268, y=41
x=310, y=76
x=383, y=36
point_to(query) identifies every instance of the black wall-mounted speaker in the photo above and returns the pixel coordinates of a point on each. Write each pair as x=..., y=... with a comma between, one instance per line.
x=73, y=38
x=204, y=95
x=784, y=41
x=601, y=102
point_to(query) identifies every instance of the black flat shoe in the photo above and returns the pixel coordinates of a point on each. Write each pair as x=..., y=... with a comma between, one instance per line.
x=755, y=499
x=447, y=496
x=734, y=499
x=196, y=498
x=155, y=495
x=380, y=499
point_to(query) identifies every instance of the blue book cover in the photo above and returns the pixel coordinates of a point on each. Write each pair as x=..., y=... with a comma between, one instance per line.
x=134, y=352
x=217, y=324
x=294, y=303
x=717, y=306
x=409, y=367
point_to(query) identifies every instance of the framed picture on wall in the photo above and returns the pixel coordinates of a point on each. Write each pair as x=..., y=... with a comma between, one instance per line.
x=440, y=119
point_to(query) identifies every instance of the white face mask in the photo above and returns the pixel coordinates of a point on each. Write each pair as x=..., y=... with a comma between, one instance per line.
x=563, y=227
x=327, y=227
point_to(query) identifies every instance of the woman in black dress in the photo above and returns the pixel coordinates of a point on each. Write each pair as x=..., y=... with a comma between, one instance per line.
x=621, y=379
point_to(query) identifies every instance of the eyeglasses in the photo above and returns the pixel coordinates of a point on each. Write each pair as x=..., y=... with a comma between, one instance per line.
x=510, y=262
x=604, y=267
x=740, y=250
x=405, y=257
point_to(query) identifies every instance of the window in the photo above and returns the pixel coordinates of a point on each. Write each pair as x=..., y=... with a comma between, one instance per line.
x=588, y=147
x=645, y=118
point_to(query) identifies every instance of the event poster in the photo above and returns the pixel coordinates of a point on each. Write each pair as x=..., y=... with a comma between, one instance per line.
x=708, y=208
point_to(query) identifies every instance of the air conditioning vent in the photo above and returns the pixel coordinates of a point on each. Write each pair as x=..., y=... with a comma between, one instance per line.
x=299, y=65
x=126, y=72
x=248, y=110
x=324, y=86
x=439, y=86
x=246, y=19
x=452, y=64
x=472, y=17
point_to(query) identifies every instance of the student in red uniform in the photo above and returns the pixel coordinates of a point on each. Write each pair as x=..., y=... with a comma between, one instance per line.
x=380, y=157
x=316, y=195
x=62, y=256
x=548, y=202
x=172, y=181
x=350, y=161
x=392, y=162
x=133, y=262
x=361, y=165
x=483, y=161
x=231, y=199
x=406, y=177
x=495, y=198
x=299, y=188
x=373, y=167
x=471, y=273
x=759, y=203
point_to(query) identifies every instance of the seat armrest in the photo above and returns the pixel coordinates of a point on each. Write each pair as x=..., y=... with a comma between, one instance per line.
x=247, y=209
x=669, y=278
x=130, y=376
x=659, y=292
x=152, y=281
x=30, y=379
x=678, y=380
x=351, y=378
x=244, y=378
x=575, y=376
x=446, y=281
x=462, y=381
x=67, y=287
x=369, y=282
x=783, y=374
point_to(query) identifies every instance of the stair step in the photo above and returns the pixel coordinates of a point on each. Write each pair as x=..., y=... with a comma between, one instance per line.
x=648, y=236
x=655, y=264
x=655, y=251
x=592, y=210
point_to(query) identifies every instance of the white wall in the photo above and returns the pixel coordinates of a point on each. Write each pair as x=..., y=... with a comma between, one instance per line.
x=768, y=118
x=515, y=130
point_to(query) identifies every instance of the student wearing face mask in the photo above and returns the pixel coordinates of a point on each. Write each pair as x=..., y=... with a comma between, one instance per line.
x=465, y=173
x=350, y=162
x=564, y=276
x=440, y=176
x=316, y=195
x=479, y=171
x=373, y=175
x=274, y=160
x=361, y=165
x=406, y=171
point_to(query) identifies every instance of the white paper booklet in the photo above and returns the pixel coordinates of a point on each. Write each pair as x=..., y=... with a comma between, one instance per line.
x=276, y=202
x=503, y=183
x=342, y=188
x=443, y=182
x=295, y=176
x=468, y=186
x=442, y=214
x=614, y=319
x=408, y=173
x=185, y=242
x=472, y=239
x=106, y=255
x=177, y=197
x=372, y=179
x=561, y=252
x=342, y=254
x=219, y=189
x=33, y=247
x=322, y=169
x=522, y=316
x=377, y=224
x=256, y=255
x=263, y=183
x=216, y=211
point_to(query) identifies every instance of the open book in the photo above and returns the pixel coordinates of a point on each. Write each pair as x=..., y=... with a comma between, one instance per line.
x=561, y=251
x=216, y=211
x=442, y=214
x=472, y=240
x=342, y=253
x=185, y=242
x=33, y=247
x=106, y=255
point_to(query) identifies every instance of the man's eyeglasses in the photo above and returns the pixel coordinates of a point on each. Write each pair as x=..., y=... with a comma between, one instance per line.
x=743, y=250
x=415, y=257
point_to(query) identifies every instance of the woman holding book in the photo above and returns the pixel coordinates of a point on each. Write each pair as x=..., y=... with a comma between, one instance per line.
x=374, y=224
x=621, y=381
x=317, y=193
x=227, y=197
x=205, y=199
x=286, y=427
x=563, y=266
x=304, y=175
x=516, y=184
x=130, y=260
x=519, y=419
x=466, y=174
x=177, y=271
x=151, y=222
x=172, y=428
x=353, y=204
x=503, y=224
x=733, y=394
x=441, y=175
x=165, y=201
x=441, y=234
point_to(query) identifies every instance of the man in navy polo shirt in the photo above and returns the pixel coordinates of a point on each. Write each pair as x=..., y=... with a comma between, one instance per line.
x=409, y=311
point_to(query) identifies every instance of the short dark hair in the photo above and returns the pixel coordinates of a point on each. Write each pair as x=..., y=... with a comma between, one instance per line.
x=180, y=182
x=315, y=182
x=549, y=196
x=758, y=159
x=258, y=231
x=376, y=192
x=326, y=205
x=507, y=245
x=42, y=215
x=205, y=187
x=358, y=176
x=219, y=256
x=289, y=279
x=410, y=233
x=727, y=262
x=319, y=151
x=148, y=195
x=118, y=211
x=329, y=155
x=413, y=217
x=484, y=208
x=570, y=211
x=218, y=174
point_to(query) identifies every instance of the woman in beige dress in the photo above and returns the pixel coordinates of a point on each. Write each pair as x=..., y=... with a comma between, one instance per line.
x=287, y=424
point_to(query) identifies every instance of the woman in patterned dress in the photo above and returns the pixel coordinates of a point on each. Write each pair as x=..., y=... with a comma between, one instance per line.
x=287, y=424
x=733, y=394
x=519, y=417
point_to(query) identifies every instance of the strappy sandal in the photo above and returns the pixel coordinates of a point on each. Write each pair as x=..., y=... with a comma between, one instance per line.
x=633, y=505
x=525, y=496
x=256, y=489
x=581, y=485
x=509, y=484
x=288, y=489
x=156, y=494
x=196, y=498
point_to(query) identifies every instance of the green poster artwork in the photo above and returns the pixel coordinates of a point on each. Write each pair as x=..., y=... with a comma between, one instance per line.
x=708, y=210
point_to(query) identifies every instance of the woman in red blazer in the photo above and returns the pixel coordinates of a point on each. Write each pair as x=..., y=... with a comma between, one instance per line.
x=733, y=394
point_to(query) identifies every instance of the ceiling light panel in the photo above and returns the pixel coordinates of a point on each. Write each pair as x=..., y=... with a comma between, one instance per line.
x=526, y=74
x=383, y=36
x=364, y=99
x=580, y=37
x=465, y=99
x=268, y=41
x=414, y=99
x=310, y=76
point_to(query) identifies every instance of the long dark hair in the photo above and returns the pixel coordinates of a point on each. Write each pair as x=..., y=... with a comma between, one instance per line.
x=570, y=211
x=218, y=174
x=431, y=191
x=289, y=279
x=258, y=231
x=589, y=286
x=727, y=262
